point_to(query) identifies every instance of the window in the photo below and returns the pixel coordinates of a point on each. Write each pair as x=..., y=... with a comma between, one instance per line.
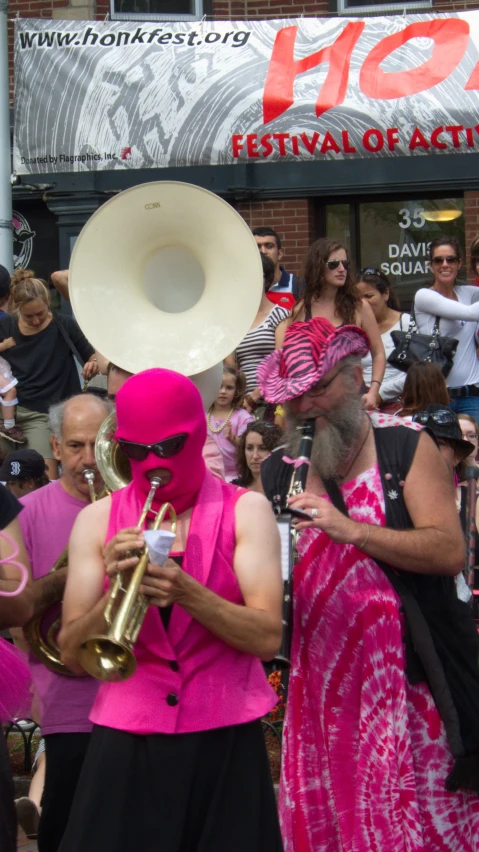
x=379, y=7
x=158, y=10
x=394, y=235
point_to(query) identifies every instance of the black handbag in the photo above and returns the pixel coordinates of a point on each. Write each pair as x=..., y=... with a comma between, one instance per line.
x=411, y=346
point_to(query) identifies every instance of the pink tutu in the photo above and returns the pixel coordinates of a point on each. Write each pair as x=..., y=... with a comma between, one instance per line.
x=15, y=694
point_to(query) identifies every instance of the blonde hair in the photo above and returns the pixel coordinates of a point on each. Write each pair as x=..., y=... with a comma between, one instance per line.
x=24, y=287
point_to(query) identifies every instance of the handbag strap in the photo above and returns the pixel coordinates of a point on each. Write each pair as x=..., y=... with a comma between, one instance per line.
x=67, y=339
x=413, y=329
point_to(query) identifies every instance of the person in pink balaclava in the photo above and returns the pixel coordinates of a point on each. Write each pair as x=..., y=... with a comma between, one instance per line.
x=177, y=750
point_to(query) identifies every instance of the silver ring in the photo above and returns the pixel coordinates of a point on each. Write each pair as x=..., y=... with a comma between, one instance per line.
x=115, y=564
x=314, y=513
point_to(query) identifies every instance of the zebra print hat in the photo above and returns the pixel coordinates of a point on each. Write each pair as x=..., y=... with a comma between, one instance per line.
x=310, y=350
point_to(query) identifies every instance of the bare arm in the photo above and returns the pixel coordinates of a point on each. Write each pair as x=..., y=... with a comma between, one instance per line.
x=85, y=599
x=60, y=282
x=297, y=315
x=48, y=590
x=7, y=344
x=230, y=360
x=434, y=546
x=256, y=626
x=369, y=324
x=14, y=612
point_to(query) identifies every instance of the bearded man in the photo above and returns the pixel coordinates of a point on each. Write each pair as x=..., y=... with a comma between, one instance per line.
x=178, y=760
x=381, y=735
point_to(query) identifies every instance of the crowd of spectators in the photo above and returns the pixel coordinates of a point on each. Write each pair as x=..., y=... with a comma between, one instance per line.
x=45, y=356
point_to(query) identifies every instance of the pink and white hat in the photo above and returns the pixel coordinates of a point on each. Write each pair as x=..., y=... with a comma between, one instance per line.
x=310, y=350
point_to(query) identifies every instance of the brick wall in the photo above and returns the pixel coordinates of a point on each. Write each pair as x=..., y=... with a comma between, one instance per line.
x=292, y=219
x=249, y=9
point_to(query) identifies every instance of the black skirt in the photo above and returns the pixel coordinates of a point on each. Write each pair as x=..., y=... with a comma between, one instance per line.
x=209, y=791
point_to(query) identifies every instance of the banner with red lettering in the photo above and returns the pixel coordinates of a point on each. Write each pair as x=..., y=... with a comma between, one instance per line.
x=122, y=95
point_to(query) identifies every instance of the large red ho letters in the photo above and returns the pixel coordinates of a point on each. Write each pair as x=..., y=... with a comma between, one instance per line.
x=450, y=37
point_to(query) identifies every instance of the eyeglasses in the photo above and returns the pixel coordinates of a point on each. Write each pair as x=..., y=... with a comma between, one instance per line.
x=369, y=270
x=450, y=258
x=163, y=449
x=442, y=417
x=318, y=390
x=333, y=264
x=469, y=436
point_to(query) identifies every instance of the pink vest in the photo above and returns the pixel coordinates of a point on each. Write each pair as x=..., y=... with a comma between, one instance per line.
x=188, y=679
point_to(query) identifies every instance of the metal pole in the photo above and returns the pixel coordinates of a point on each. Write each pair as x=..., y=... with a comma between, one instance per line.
x=6, y=238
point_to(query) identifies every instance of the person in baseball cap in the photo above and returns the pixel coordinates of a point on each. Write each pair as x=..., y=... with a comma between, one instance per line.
x=23, y=471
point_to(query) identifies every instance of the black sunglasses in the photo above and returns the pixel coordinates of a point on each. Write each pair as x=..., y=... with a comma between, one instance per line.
x=333, y=264
x=369, y=270
x=163, y=449
x=450, y=258
x=442, y=418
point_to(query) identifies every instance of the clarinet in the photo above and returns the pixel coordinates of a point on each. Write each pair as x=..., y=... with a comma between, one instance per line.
x=285, y=515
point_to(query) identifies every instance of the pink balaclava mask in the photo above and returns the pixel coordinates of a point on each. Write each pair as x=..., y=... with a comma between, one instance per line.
x=151, y=407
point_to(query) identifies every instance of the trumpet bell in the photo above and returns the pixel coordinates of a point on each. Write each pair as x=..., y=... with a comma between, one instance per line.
x=165, y=274
x=106, y=659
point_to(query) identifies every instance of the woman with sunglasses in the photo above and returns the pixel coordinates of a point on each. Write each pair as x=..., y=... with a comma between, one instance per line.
x=330, y=292
x=377, y=292
x=457, y=306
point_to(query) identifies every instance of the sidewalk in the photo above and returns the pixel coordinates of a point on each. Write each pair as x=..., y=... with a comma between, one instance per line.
x=24, y=845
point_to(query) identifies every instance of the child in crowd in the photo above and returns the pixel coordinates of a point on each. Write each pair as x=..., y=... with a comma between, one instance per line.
x=227, y=419
x=8, y=396
x=23, y=471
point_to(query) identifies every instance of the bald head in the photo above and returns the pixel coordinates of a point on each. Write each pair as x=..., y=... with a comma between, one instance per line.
x=75, y=424
x=84, y=406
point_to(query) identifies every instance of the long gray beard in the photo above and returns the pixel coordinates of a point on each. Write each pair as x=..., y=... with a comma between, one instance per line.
x=334, y=443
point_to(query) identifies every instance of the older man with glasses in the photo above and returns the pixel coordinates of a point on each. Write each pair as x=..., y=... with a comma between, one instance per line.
x=381, y=732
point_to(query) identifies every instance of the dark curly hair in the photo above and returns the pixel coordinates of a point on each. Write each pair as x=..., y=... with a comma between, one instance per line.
x=271, y=435
x=347, y=300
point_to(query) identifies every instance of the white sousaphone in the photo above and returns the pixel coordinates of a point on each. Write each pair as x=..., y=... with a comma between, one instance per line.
x=166, y=274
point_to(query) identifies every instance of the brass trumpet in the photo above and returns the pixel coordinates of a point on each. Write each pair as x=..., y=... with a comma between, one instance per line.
x=109, y=657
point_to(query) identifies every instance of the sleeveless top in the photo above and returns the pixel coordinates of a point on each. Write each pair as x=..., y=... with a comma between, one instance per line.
x=187, y=679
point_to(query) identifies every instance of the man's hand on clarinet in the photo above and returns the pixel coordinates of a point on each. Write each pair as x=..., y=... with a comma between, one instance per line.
x=325, y=517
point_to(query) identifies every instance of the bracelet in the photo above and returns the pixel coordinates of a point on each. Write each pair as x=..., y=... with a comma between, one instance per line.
x=360, y=546
x=375, y=382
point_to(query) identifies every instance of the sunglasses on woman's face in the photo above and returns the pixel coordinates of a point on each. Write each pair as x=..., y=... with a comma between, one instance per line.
x=163, y=449
x=450, y=258
x=442, y=418
x=333, y=264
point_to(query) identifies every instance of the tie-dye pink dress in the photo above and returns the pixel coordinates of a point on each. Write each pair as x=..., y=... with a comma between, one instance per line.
x=365, y=754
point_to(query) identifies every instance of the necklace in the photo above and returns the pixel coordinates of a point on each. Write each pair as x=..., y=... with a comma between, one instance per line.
x=220, y=428
x=356, y=456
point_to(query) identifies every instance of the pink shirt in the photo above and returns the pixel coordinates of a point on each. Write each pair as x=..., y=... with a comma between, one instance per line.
x=46, y=524
x=239, y=421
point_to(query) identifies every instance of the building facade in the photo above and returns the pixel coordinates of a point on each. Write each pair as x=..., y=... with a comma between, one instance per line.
x=377, y=207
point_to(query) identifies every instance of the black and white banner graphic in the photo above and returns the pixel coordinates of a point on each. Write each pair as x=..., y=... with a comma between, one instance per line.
x=122, y=95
